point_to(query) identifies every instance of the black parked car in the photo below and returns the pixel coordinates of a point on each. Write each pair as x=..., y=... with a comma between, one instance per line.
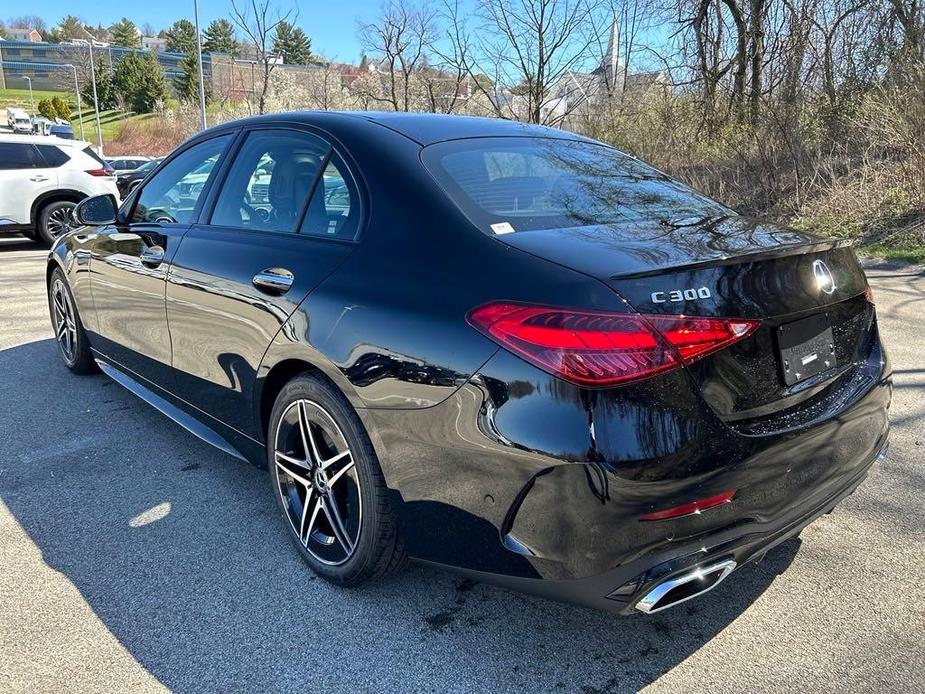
x=127, y=181
x=506, y=349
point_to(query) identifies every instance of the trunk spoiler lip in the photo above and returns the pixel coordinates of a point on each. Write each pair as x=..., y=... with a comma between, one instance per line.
x=746, y=257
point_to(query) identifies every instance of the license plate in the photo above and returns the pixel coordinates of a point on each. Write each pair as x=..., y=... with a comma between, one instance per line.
x=806, y=348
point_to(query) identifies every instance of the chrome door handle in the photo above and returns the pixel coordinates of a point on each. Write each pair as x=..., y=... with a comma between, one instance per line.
x=39, y=178
x=152, y=256
x=274, y=280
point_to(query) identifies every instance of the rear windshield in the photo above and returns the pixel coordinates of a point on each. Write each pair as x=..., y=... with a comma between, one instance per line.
x=90, y=153
x=510, y=184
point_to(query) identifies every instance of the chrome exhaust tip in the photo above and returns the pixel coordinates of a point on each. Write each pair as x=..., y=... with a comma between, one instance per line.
x=682, y=588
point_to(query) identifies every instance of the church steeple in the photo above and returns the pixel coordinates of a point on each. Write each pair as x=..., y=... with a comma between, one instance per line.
x=611, y=61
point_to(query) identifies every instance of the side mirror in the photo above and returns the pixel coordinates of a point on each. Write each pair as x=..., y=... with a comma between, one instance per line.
x=96, y=211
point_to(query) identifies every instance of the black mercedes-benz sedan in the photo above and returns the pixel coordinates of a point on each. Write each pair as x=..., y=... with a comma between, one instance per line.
x=501, y=348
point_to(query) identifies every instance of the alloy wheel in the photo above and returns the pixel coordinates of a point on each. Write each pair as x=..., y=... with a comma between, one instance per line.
x=65, y=320
x=59, y=221
x=318, y=482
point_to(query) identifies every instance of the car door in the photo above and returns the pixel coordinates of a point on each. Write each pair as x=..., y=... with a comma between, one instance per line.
x=24, y=177
x=130, y=259
x=235, y=281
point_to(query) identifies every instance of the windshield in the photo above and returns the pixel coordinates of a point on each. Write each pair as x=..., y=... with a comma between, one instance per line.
x=520, y=184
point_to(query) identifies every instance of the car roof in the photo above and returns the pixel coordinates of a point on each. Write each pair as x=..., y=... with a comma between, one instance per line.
x=43, y=140
x=423, y=128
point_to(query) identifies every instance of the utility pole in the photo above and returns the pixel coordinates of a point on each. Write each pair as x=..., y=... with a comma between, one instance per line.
x=202, y=84
x=96, y=100
x=31, y=100
x=80, y=113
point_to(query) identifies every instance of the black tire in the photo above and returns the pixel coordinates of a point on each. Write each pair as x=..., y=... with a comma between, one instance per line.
x=377, y=549
x=78, y=357
x=51, y=222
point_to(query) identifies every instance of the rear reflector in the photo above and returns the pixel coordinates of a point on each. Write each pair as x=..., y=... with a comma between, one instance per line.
x=101, y=172
x=594, y=348
x=690, y=508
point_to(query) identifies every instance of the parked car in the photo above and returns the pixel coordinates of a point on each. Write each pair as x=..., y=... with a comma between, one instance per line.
x=65, y=132
x=129, y=180
x=127, y=164
x=18, y=121
x=502, y=348
x=41, y=181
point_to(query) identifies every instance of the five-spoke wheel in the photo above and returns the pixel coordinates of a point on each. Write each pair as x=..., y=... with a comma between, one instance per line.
x=329, y=485
x=63, y=320
x=70, y=337
x=318, y=482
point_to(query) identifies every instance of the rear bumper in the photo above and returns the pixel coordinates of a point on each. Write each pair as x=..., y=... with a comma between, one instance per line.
x=621, y=589
x=524, y=480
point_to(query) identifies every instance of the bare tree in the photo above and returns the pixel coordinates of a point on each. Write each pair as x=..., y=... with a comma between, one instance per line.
x=258, y=19
x=398, y=41
x=529, y=47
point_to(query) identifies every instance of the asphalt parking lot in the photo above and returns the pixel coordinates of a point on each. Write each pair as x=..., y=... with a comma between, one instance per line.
x=134, y=557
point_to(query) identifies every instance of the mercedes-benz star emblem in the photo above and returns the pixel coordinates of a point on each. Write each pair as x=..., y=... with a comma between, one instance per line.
x=824, y=280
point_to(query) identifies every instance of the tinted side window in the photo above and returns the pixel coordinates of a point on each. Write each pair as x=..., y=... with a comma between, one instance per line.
x=270, y=181
x=53, y=156
x=171, y=195
x=334, y=210
x=14, y=155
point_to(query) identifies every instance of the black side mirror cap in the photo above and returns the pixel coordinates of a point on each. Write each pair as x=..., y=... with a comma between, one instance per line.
x=96, y=211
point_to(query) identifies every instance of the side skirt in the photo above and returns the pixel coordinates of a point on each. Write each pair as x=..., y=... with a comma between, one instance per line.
x=188, y=422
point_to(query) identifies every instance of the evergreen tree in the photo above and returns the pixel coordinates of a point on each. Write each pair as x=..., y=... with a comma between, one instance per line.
x=105, y=90
x=140, y=81
x=181, y=37
x=125, y=33
x=61, y=108
x=186, y=83
x=219, y=38
x=292, y=45
x=67, y=29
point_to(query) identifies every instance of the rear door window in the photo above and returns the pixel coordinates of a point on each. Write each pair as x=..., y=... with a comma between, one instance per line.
x=269, y=183
x=53, y=156
x=334, y=211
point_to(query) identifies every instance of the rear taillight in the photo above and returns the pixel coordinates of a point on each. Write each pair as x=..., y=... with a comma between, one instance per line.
x=869, y=295
x=105, y=171
x=593, y=348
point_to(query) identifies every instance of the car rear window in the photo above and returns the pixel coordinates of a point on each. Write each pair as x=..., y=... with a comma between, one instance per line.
x=93, y=155
x=508, y=184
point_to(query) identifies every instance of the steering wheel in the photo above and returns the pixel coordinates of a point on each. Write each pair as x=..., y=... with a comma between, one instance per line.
x=255, y=213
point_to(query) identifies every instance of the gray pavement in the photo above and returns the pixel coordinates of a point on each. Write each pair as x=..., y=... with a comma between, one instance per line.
x=133, y=557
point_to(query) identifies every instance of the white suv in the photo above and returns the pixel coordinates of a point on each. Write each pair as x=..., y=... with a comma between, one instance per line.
x=41, y=181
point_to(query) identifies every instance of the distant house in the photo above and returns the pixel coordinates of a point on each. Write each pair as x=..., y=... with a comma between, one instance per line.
x=20, y=34
x=153, y=43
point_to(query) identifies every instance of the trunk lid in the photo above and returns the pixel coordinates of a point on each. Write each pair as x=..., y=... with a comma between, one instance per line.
x=798, y=285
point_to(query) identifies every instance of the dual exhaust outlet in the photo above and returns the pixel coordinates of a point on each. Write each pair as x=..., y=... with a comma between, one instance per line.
x=688, y=585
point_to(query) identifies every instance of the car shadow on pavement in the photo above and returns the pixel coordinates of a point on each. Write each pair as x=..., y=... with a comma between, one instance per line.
x=179, y=550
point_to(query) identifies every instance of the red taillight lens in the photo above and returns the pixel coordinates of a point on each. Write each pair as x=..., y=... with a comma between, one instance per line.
x=594, y=348
x=869, y=295
x=697, y=337
x=105, y=171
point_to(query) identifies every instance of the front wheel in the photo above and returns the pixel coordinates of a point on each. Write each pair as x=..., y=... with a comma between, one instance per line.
x=328, y=483
x=73, y=345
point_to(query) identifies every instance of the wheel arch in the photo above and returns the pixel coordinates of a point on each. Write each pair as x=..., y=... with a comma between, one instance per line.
x=60, y=195
x=276, y=378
